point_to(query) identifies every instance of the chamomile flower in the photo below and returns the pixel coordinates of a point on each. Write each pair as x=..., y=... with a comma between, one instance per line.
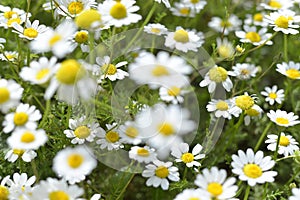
x=296, y=194
x=156, y=29
x=273, y=95
x=254, y=112
x=215, y=183
x=182, y=10
x=276, y=4
x=242, y=103
x=216, y=75
x=72, y=8
x=21, y=187
x=10, y=56
x=110, y=140
x=9, y=16
x=182, y=154
x=72, y=81
x=119, y=13
x=244, y=71
x=198, y=5
x=39, y=72
x=142, y=154
x=282, y=118
x=10, y=94
x=225, y=25
x=80, y=38
x=253, y=168
x=109, y=70
x=256, y=19
x=221, y=108
x=287, y=144
x=81, y=130
x=166, y=2
x=174, y=93
x=225, y=48
x=290, y=69
x=190, y=194
x=56, y=40
x=250, y=34
x=25, y=116
x=74, y=164
x=90, y=20
x=27, y=139
x=26, y=155
x=30, y=31
x=4, y=189
x=129, y=133
x=159, y=173
x=184, y=40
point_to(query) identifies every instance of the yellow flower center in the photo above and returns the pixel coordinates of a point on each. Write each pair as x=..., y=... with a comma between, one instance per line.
x=82, y=132
x=166, y=129
x=112, y=136
x=225, y=51
x=75, y=160
x=174, y=91
x=41, y=74
x=293, y=73
x=4, y=192
x=81, y=37
x=245, y=72
x=244, y=102
x=252, y=170
x=194, y=198
x=13, y=20
x=87, y=18
x=284, y=141
x=18, y=152
x=181, y=36
x=143, y=152
x=75, y=7
x=20, y=118
x=4, y=95
x=252, y=112
x=226, y=24
x=187, y=157
x=155, y=30
x=9, y=14
x=27, y=137
x=215, y=189
x=222, y=105
x=118, y=11
x=58, y=195
x=10, y=56
x=275, y=4
x=132, y=132
x=217, y=74
x=258, y=17
x=273, y=95
x=160, y=70
x=282, y=22
x=109, y=69
x=253, y=36
x=185, y=11
x=194, y=1
x=281, y=120
x=30, y=32
x=70, y=72
x=162, y=172
x=54, y=39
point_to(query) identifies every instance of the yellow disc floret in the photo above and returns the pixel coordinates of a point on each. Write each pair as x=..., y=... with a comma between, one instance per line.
x=284, y=141
x=282, y=22
x=70, y=72
x=252, y=170
x=253, y=37
x=27, y=137
x=218, y=74
x=143, y=152
x=58, y=195
x=244, y=102
x=81, y=37
x=4, y=95
x=75, y=160
x=82, y=132
x=118, y=11
x=215, y=189
x=222, y=105
x=20, y=118
x=293, y=73
x=75, y=7
x=166, y=129
x=87, y=18
x=109, y=69
x=174, y=91
x=30, y=32
x=187, y=157
x=162, y=172
x=181, y=36
x=160, y=70
x=112, y=136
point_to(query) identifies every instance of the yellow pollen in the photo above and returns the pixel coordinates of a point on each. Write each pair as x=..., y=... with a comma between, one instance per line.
x=252, y=170
x=18, y=152
x=194, y=1
x=252, y=112
x=217, y=74
x=143, y=152
x=87, y=18
x=185, y=11
x=13, y=20
x=293, y=73
x=181, y=36
x=160, y=70
x=41, y=74
x=81, y=37
x=4, y=192
x=75, y=7
x=215, y=189
x=82, y=132
x=225, y=51
x=155, y=30
x=70, y=72
x=166, y=129
x=282, y=22
x=30, y=32
x=258, y=17
x=58, y=195
x=244, y=102
x=273, y=95
x=226, y=24
x=118, y=11
x=284, y=141
x=174, y=91
x=222, y=105
x=10, y=56
x=54, y=39
x=27, y=137
x=20, y=118
x=194, y=198
x=187, y=157
x=75, y=160
x=253, y=36
x=162, y=172
x=275, y=4
x=9, y=14
x=4, y=95
x=109, y=69
x=281, y=120
x=112, y=136
x=132, y=132
x=245, y=72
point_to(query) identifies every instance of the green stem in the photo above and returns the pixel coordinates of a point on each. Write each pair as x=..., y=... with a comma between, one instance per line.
x=285, y=47
x=263, y=135
x=277, y=145
x=247, y=192
x=283, y=158
x=46, y=113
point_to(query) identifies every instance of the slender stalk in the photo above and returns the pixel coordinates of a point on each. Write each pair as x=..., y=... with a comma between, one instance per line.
x=277, y=146
x=263, y=135
x=46, y=113
x=285, y=47
x=247, y=192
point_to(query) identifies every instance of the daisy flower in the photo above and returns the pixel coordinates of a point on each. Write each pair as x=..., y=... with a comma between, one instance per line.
x=273, y=95
x=142, y=154
x=182, y=10
x=287, y=144
x=290, y=69
x=9, y=16
x=184, y=40
x=256, y=19
x=39, y=72
x=215, y=183
x=81, y=38
x=166, y=2
x=225, y=48
x=27, y=139
x=10, y=94
x=253, y=112
x=129, y=133
x=72, y=81
x=74, y=164
x=20, y=187
x=190, y=194
x=244, y=71
x=156, y=29
x=9, y=56
x=30, y=31
x=56, y=40
x=81, y=130
x=110, y=140
x=221, y=108
x=159, y=173
x=296, y=194
x=242, y=103
x=276, y=4
x=72, y=8
x=90, y=20
x=253, y=168
x=198, y=5
x=216, y=75
x=4, y=187
x=181, y=153
x=119, y=13
x=282, y=118
x=26, y=155
x=253, y=36
x=225, y=25
x=174, y=93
